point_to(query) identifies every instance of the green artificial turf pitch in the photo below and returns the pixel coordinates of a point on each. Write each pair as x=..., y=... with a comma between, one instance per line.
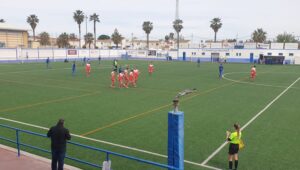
x=137, y=117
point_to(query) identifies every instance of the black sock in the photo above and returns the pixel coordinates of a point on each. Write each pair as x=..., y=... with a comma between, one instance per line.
x=236, y=163
x=230, y=164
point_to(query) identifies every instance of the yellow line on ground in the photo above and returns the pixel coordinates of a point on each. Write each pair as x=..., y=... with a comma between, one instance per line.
x=107, y=85
x=46, y=102
x=125, y=120
x=207, y=91
x=151, y=111
x=102, y=85
x=42, y=85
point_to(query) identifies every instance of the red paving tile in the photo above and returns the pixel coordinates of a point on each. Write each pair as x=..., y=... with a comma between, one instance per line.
x=10, y=161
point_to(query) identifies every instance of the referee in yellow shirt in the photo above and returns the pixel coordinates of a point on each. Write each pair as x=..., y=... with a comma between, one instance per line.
x=234, y=138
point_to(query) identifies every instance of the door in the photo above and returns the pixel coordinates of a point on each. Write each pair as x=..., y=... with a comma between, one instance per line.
x=251, y=57
x=215, y=57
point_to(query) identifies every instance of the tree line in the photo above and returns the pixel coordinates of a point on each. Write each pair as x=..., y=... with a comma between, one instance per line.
x=258, y=36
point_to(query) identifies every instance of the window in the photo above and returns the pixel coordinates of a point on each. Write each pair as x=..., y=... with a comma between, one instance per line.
x=269, y=53
x=237, y=54
x=193, y=53
x=291, y=54
x=280, y=54
x=240, y=54
x=203, y=53
x=227, y=54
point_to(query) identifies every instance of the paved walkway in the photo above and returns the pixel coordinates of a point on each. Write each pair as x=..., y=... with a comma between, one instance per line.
x=10, y=160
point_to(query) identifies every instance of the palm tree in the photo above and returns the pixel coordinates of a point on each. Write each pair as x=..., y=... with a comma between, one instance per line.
x=116, y=37
x=171, y=35
x=2, y=21
x=32, y=20
x=147, y=27
x=167, y=38
x=73, y=37
x=103, y=37
x=286, y=38
x=44, y=38
x=94, y=18
x=88, y=38
x=79, y=17
x=216, y=24
x=259, y=36
x=177, y=25
x=63, y=40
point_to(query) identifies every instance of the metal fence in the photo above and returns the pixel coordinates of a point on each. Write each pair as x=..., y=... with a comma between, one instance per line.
x=18, y=143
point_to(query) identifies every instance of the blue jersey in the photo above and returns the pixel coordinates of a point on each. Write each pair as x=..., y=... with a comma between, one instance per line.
x=220, y=68
x=73, y=67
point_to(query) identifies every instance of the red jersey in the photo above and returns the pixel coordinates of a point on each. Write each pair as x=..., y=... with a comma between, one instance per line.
x=121, y=76
x=150, y=68
x=112, y=76
x=126, y=74
x=88, y=67
x=136, y=73
x=253, y=70
x=131, y=76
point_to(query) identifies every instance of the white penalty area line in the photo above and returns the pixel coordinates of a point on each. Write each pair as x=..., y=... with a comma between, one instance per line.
x=109, y=143
x=251, y=83
x=250, y=121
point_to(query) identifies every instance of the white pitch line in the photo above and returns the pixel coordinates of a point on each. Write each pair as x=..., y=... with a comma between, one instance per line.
x=109, y=143
x=206, y=166
x=51, y=69
x=250, y=121
x=257, y=84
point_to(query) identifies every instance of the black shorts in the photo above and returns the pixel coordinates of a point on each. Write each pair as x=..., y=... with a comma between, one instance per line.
x=233, y=149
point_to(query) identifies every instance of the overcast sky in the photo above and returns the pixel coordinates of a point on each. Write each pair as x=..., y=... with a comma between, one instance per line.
x=240, y=17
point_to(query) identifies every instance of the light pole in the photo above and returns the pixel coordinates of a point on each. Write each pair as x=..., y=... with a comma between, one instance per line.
x=132, y=41
x=177, y=10
x=86, y=20
x=177, y=18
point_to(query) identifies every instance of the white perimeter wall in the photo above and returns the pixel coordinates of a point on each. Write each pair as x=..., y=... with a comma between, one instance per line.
x=35, y=54
x=238, y=53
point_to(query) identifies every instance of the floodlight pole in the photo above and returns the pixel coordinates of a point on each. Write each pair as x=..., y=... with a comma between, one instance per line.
x=177, y=18
x=178, y=45
x=86, y=20
x=177, y=10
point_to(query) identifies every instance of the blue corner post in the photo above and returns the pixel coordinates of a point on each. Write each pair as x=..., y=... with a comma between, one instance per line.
x=176, y=139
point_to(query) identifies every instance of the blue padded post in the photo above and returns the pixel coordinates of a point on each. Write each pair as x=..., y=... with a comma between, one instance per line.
x=176, y=139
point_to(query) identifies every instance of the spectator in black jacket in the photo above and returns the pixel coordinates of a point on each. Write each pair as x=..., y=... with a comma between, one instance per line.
x=59, y=136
